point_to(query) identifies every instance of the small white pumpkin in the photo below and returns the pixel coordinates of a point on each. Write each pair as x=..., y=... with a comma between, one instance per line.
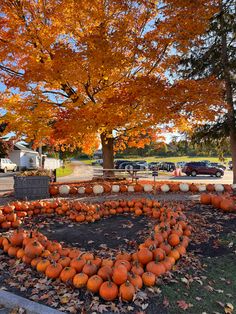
x=130, y=188
x=184, y=187
x=219, y=187
x=202, y=188
x=147, y=187
x=115, y=188
x=64, y=189
x=98, y=189
x=165, y=188
x=81, y=190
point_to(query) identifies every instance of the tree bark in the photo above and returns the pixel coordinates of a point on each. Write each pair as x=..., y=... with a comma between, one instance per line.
x=107, y=141
x=228, y=91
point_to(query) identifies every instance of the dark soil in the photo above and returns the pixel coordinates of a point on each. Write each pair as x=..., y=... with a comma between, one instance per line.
x=109, y=235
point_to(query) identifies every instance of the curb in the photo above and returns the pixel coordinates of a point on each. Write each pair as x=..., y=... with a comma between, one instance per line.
x=11, y=300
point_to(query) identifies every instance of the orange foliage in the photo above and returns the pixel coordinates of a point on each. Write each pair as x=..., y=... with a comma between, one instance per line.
x=76, y=69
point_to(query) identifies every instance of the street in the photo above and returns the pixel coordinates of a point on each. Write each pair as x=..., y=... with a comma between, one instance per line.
x=84, y=172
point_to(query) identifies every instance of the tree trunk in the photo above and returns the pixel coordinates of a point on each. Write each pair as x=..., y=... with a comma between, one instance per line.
x=107, y=153
x=228, y=90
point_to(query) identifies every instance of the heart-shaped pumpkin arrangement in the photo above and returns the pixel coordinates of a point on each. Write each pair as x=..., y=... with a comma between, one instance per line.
x=111, y=278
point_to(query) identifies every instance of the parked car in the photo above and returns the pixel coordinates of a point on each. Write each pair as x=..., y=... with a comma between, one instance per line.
x=167, y=166
x=7, y=165
x=118, y=162
x=141, y=163
x=195, y=168
x=180, y=164
x=132, y=165
x=153, y=165
x=231, y=165
x=218, y=165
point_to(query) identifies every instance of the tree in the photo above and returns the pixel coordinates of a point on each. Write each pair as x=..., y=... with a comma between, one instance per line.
x=75, y=69
x=216, y=56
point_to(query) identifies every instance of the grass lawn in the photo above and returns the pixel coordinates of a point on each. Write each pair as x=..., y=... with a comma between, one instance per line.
x=64, y=171
x=172, y=159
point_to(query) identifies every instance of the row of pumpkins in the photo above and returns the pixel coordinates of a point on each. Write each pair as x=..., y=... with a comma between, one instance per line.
x=224, y=203
x=12, y=215
x=110, y=278
x=116, y=188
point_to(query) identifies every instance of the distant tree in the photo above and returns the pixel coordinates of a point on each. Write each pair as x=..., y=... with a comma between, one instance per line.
x=213, y=54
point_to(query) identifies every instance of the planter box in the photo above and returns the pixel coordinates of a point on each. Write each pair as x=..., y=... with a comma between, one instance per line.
x=31, y=188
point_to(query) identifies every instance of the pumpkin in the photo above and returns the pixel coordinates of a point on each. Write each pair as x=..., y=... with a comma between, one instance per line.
x=64, y=261
x=130, y=188
x=33, y=249
x=156, y=268
x=136, y=281
x=42, y=265
x=120, y=274
x=94, y=283
x=149, y=279
x=193, y=188
x=137, y=268
x=73, y=190
x=144, y=256
x=127, y=291
x=205, y=199
x=89, y=269
x=53, y=190
x=123, y=188
x=12, y=251
x=98, y=189
x=88, y=189
x=227, y=205
x=219, y=188
x=216, y=200
x=123, y=256
x=35, y=261
x=64, y=189
x=147, y=187
x=165, y=188
x=115, y=188
x=159, y=253
x=202, y=188
x=81, y=190
x=67, y=274
x=124, y=263
x=80, y=280
x=108, y=291
x=210, y=187
x=107, y=188
x=53, y=271
x=17, y=238
x=173, y=239
x=184, y=187
x=138, y=188
x=105, y=272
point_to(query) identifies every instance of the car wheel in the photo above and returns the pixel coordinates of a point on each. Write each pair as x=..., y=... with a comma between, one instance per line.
x=193, y=173
x=5, y=170
x=129, y=167
x=218, y=174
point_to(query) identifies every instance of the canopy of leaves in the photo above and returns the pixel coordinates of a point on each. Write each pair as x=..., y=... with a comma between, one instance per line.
x=74, y=69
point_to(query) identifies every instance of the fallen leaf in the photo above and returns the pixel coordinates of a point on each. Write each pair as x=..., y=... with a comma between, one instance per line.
x=183, y=305
x=229, y=308
x=166, y=302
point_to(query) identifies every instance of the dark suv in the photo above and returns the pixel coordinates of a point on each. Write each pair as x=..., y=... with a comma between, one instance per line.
x=195, y=168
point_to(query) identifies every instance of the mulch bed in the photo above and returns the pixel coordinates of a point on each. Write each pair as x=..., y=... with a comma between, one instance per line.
x=106, y=237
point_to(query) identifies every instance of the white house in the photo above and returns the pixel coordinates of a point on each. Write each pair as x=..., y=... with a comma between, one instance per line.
x=26, y=158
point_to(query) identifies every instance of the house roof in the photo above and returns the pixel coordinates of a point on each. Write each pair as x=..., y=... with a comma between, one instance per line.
x=19, y=146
